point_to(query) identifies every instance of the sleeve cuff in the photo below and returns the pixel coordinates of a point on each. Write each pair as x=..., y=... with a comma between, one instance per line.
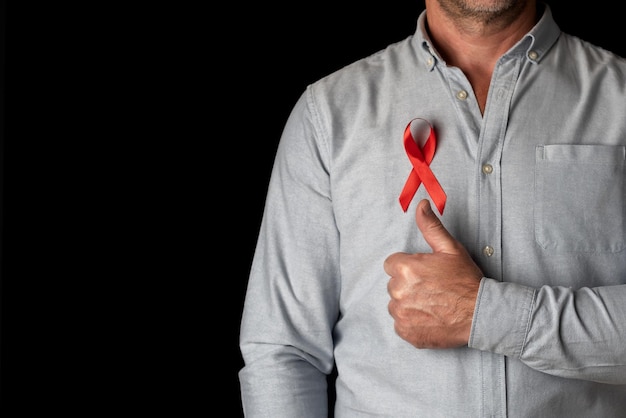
x=501, y=317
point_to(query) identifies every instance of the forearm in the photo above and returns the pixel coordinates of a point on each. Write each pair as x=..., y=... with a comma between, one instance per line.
x=287, y=387
x=561, y=331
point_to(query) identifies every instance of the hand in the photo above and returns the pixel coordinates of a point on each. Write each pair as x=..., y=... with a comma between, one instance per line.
x=433, y=294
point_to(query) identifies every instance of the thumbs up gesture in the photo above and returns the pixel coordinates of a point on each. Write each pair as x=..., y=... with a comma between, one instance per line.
x=433, y=294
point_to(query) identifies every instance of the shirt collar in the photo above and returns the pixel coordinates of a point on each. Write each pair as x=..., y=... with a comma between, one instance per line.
x=534, y=45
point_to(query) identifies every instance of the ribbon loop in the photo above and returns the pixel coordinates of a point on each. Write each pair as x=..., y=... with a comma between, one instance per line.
x=421, y=173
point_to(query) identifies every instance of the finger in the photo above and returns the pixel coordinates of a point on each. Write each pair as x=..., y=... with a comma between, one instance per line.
x=435, y=234
x=391, y=263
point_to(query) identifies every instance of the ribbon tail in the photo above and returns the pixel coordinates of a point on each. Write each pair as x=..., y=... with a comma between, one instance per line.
x=436, y=193
x=409, y=190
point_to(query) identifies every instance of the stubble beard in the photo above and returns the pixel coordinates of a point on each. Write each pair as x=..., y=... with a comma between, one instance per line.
x=484, y=11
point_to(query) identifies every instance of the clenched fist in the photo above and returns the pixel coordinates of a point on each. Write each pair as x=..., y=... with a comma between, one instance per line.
x=433, y=294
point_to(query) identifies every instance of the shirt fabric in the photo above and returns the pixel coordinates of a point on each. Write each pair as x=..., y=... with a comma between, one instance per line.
x=536, y=192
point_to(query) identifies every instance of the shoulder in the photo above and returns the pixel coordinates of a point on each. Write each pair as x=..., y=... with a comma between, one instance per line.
x=589, y=54
x=370, y=72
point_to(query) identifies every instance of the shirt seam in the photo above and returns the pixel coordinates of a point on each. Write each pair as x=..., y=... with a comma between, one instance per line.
x=533, y=299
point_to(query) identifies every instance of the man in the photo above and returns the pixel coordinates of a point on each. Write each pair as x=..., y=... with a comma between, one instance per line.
x=510, y=300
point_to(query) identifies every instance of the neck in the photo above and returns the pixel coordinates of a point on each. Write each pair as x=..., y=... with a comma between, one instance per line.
x=473, y=37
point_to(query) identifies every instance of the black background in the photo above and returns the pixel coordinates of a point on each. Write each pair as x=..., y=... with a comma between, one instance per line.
x=137, y=148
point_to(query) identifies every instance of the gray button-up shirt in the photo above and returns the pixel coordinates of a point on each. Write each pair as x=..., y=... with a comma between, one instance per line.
x=536, y=191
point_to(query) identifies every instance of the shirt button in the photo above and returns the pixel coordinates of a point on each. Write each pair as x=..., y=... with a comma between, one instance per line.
x=533, y=55
x=487, y=169
x=488, y=250
x=461, y=95
x=429, y=62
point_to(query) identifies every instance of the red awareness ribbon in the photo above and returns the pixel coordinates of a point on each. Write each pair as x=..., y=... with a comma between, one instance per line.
x=421, y=172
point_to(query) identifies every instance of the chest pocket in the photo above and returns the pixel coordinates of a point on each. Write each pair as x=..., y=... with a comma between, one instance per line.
x=579, y=198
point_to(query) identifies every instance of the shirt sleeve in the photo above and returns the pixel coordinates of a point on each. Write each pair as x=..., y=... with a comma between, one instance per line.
x=577, y=334
x=292, y=299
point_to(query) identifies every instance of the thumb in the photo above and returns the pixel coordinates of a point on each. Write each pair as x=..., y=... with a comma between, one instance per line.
x=435, y=234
